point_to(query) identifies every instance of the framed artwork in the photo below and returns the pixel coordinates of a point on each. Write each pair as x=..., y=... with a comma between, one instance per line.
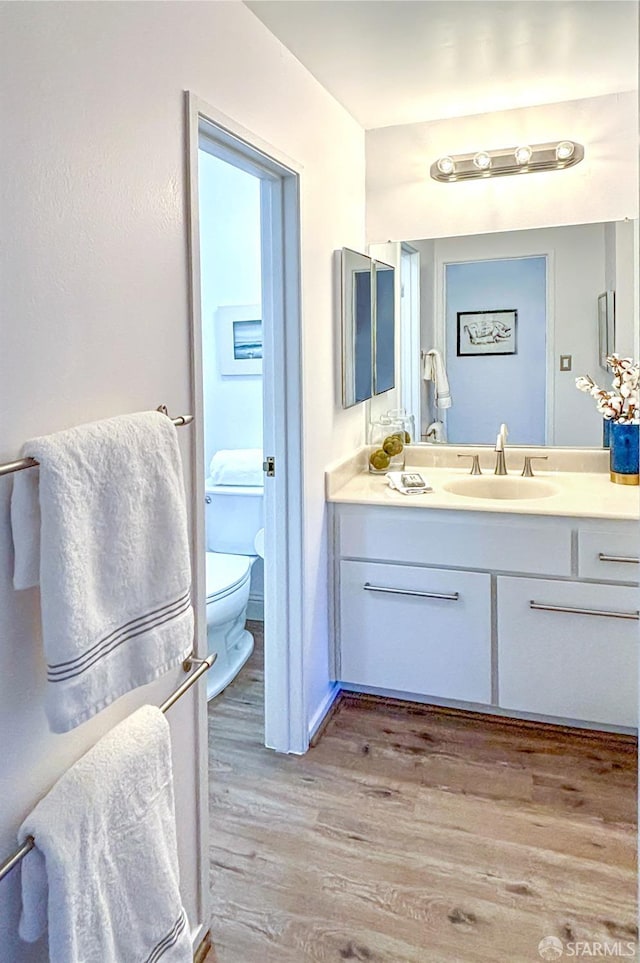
x=487, y=332
x=239, y=339
x=606, y=326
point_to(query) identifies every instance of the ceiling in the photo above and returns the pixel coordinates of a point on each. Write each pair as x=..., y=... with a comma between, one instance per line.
x=404, y=61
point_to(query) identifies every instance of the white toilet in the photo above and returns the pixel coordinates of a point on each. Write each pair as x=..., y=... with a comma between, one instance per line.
x=235, y=537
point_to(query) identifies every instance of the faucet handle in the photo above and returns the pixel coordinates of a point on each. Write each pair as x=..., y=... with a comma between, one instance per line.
x=475, y=465
x=527, y=471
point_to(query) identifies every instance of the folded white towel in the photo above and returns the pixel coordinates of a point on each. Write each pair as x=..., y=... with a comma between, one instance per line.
x=237, y=466
x=434, y=370
x=104, y=876
x=114, y=569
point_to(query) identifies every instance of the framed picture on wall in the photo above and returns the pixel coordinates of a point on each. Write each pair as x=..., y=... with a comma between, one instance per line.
x=606, y=326
x=487, y=332
x=239, y=339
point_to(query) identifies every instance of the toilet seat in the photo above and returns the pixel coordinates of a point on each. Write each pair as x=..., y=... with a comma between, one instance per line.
x=225, y=573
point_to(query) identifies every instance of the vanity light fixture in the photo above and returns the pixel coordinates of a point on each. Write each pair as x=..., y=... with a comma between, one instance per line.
x=523, y=155
x=526, y=159
x=482, y=161
x=446, y=165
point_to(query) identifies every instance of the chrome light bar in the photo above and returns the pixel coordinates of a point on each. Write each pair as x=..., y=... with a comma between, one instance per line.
x=526, y=159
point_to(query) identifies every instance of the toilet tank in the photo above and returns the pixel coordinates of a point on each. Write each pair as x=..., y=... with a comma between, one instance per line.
x=233, y=517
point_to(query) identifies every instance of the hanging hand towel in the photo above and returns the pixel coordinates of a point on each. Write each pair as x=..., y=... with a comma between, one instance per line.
x=103, y=878
x=113, y=565
x=434, y=370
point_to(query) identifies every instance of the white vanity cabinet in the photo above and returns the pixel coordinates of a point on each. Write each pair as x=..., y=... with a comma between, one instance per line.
x=568, y=649
x=523, y=614
x=416, y=629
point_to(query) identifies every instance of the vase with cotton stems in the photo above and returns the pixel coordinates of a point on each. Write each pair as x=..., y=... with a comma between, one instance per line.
x=620, y=406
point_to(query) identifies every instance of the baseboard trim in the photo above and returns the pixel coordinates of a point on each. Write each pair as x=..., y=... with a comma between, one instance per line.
x=505, y=716
x=323, y=713
x=204, y=947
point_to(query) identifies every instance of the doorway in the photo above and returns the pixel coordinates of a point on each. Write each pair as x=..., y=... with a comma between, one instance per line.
x=234, y=333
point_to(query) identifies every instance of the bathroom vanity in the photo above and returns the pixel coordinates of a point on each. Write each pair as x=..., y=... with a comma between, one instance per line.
x=526, y=606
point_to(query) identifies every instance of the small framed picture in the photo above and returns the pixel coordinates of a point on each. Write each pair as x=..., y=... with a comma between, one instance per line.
x=606, y=326
x=487, y=332
x=239, y=339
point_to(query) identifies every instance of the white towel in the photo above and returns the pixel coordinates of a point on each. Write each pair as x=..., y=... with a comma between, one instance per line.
x=103, y=878
x=434, y=370
x=114, y=567
x=237, y=466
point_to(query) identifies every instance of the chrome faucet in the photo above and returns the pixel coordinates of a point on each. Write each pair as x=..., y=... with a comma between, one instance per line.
x=501, y=440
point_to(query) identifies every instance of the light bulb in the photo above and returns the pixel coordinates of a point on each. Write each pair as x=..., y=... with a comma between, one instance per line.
x=446, y=165
x=523, y=155
x=482, y=160
x=564, y=150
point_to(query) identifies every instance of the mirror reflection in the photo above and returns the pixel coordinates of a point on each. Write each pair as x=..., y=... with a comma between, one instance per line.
x=368, y=327
x=507, y=322
x=357, y=328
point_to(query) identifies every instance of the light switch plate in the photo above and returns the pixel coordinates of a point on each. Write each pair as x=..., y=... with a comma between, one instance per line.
x=565, y=362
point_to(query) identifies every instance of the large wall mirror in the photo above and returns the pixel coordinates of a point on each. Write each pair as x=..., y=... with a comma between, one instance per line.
x=368, y=327
x=516, y=317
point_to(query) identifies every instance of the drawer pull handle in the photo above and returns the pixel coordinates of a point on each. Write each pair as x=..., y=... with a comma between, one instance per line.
x=618, y=558
x=448, y=597
x=576, y=610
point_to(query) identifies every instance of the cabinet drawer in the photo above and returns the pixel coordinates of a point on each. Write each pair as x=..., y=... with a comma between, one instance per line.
x=459, y=539
x=568, y=649
x=416, y=630
x=613, y=556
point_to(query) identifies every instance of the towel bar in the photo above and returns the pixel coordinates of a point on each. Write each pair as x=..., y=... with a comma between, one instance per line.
x=22, y=463
x=203, y=665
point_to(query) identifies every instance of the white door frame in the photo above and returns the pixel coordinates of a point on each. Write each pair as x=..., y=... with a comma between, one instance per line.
x=285, y=710
x=411, y=360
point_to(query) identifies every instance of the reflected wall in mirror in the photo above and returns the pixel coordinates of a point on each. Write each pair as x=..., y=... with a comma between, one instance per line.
x=546, y=283
x=368, y=327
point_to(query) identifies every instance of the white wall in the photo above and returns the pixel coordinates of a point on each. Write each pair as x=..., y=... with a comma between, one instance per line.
x=403, y=201
x=95, y=301
x=625, y=280
x=230, y=275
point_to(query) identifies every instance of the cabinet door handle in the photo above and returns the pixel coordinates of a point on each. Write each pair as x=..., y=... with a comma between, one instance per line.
x=576, y=610
x=618, y=558
x=448, y=597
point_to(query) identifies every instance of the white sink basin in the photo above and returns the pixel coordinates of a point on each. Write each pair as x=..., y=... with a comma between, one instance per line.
x=500, y=486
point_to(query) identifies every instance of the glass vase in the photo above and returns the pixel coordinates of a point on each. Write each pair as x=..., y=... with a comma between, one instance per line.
x=623, y=457
x=386, y=445
x=407, y=421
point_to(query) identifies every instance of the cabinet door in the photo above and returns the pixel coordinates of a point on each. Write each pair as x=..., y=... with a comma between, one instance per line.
x=416, y=630
x=613, y=556
x=568, y=649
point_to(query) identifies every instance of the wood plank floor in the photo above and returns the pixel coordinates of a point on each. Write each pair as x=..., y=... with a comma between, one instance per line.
x=415, y=835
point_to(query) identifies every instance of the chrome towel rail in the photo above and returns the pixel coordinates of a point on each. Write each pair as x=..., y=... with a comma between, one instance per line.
x=22, y=463
x=202, y=666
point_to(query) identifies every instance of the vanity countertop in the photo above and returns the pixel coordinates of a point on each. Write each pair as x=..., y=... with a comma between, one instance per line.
x=581, y=494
